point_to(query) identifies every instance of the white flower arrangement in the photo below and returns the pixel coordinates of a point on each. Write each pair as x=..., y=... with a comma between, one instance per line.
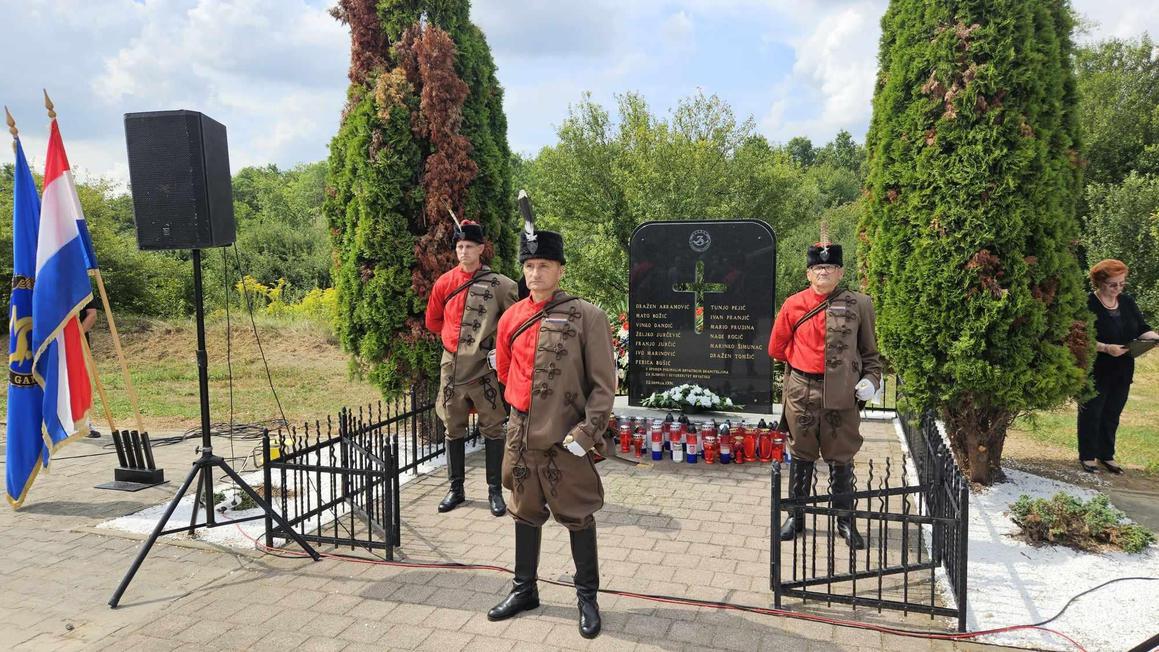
x=620, y=349
x=688, y=398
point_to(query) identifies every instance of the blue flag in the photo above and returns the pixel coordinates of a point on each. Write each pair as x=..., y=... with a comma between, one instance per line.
x=26, y=450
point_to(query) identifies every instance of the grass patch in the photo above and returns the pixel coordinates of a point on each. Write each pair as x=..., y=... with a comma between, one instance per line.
x=1137, y=441
x=1066, y=520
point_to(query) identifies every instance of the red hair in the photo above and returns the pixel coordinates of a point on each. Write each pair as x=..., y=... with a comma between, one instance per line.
x=1105, y=269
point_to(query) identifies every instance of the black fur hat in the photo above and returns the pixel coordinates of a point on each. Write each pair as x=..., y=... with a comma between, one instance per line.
x=472, y=231
x=541, y=244
x=824, y=254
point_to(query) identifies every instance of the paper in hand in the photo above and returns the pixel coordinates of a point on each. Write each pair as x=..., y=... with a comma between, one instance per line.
x=1137, y=348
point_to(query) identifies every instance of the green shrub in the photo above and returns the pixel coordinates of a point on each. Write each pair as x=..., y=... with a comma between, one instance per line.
x=414, y=140
x=318, y=306
x=1068, y=521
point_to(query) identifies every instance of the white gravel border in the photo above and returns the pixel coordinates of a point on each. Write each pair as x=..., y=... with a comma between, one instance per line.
x=1014, y=583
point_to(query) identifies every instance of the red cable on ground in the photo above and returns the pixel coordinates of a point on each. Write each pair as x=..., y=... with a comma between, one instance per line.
x=688, y=602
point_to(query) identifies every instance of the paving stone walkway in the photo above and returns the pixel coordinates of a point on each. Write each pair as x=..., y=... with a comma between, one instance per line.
x=679, y=530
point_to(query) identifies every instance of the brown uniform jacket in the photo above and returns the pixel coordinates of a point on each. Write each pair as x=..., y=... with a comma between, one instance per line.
x=850, y=349
x=488, y=296
x=574, y=383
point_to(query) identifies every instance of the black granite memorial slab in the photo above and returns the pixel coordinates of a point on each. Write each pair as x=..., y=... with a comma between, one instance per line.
x=701, y=297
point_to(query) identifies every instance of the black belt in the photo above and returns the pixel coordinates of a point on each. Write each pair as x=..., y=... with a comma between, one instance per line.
x=806, y=374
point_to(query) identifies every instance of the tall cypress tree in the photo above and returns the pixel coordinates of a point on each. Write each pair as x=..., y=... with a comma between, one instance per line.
x=970, y=235
x=422, y=131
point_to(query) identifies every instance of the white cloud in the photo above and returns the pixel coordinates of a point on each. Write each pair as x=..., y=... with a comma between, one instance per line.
x=1118, y=19
x=536, y=111
x=542, y=28
x=272, y=71
x=678, y=31
x=831, y=85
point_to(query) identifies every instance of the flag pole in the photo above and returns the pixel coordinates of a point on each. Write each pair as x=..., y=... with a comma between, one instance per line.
x=116, y=336
x=120, y=353
x=97, y=381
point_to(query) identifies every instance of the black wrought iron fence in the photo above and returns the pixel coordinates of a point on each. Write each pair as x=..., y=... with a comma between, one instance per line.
x=913, y=518
x=332, y=488
x=338, y=482
x=422, y=430
x=947, y=497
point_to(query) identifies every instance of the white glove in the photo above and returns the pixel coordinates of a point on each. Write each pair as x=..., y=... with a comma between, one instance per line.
x=575, y=448
x=491, y=359
x=864, y=389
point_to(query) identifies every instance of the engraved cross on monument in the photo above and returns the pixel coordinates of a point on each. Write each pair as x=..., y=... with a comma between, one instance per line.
x=698, y=288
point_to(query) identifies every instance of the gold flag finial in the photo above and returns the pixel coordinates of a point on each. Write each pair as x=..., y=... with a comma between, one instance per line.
x=12, y=127
x=48, y=105
x=11, y=123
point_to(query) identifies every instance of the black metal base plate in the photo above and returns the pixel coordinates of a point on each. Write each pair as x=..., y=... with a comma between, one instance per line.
x=118, y=485
x=141, y=476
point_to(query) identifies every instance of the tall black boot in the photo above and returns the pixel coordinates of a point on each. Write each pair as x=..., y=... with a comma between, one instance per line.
x=524, y=590
x=494, y=453
x=843, y=484
x=587, y=580
x=456, y=451
x=800, y=484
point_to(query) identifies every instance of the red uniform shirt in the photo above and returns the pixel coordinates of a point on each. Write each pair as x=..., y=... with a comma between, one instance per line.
x=805, y=349
x=515, y=363
x=446, y=321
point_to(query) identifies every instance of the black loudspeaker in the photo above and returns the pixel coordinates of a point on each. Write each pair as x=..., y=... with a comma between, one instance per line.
x=179, y=172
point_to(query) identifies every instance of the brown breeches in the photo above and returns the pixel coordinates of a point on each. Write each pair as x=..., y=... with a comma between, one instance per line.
x=550, y=483
x=814, y=431
x=454, y=402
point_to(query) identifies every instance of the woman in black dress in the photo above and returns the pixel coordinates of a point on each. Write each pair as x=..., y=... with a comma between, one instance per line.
x=1117, y=322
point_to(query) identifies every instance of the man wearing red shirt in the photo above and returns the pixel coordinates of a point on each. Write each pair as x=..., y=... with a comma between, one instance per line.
x=825, y=335
x=554, y=356
x=464, y=310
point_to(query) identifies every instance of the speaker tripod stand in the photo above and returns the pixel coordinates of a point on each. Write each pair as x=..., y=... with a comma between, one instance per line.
x=203, y=467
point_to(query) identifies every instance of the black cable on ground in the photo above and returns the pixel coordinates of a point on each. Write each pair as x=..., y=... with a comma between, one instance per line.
x=1092, y=590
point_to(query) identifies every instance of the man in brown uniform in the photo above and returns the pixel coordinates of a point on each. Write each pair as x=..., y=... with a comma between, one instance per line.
x=825, y=334
x=554, y=356
x=464, y=310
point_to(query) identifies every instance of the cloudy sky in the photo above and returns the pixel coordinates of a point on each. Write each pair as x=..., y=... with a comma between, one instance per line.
x=274, y=71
